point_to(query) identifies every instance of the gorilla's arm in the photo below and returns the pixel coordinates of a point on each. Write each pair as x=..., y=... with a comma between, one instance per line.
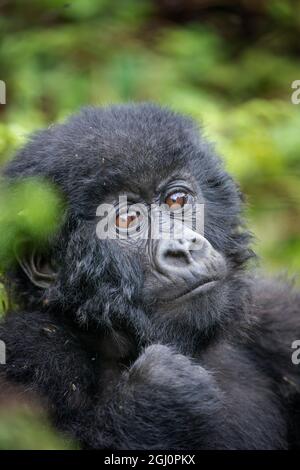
x=164, y=400
x=276, y=309
x=275, y=330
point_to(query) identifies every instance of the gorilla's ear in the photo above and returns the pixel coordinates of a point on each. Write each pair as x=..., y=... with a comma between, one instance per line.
x=39, y=270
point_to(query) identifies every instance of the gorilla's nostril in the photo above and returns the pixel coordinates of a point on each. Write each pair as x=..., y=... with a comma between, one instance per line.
x=177, y=257
x=175, y=253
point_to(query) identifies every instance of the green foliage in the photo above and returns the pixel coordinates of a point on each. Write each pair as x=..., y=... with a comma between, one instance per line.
x=29, y=211
x=3, y=300
x=24, y=428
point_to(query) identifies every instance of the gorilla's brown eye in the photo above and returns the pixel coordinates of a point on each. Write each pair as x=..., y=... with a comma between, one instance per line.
x=126, y=219
x=177, y=200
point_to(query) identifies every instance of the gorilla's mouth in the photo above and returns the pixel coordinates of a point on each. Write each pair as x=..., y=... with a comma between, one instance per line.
x=201, y=288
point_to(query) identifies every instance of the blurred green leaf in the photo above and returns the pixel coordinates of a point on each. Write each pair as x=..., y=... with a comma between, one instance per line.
x=29, y=210
x=22, y=428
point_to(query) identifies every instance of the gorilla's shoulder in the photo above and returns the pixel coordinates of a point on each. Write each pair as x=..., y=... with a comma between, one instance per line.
x=276, y=313
x=34, y=322
x=278, y=297
x=36, y=338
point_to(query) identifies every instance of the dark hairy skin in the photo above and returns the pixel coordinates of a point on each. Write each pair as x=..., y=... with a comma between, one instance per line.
x=148, y=344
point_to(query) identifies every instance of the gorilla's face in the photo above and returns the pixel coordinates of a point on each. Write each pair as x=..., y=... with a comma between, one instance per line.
x=160, y=224
x=150, y=261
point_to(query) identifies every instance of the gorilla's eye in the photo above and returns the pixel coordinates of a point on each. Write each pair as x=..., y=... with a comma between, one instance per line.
x=177, y=200
x=127, y=219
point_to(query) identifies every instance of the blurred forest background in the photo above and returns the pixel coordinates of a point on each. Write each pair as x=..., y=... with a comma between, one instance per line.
x=228, y=63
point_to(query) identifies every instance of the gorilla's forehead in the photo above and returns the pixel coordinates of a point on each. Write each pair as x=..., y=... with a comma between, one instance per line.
x=130, y=147
x=138, y=163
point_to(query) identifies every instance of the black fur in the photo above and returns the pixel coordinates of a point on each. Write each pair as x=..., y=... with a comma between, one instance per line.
x=119, y=371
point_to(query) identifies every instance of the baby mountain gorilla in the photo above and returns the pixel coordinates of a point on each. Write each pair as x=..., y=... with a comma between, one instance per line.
x=144, y=342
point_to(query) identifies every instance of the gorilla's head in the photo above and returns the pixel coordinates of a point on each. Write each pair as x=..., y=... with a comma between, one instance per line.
x=107, y=266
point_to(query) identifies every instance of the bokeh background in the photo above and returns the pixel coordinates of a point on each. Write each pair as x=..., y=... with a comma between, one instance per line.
x=228, y=63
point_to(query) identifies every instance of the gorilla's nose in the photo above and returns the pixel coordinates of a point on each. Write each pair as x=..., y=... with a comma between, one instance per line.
x=188, y=262
x=180, y=253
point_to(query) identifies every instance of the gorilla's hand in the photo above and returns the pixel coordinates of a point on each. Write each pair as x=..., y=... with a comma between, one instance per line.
x=162, y=366
x=163, y=401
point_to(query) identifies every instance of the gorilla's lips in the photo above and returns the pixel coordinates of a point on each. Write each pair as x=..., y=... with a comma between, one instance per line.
x=201, y=288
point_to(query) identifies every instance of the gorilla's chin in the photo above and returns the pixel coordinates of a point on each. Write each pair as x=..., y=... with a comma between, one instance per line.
x=196, y=319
